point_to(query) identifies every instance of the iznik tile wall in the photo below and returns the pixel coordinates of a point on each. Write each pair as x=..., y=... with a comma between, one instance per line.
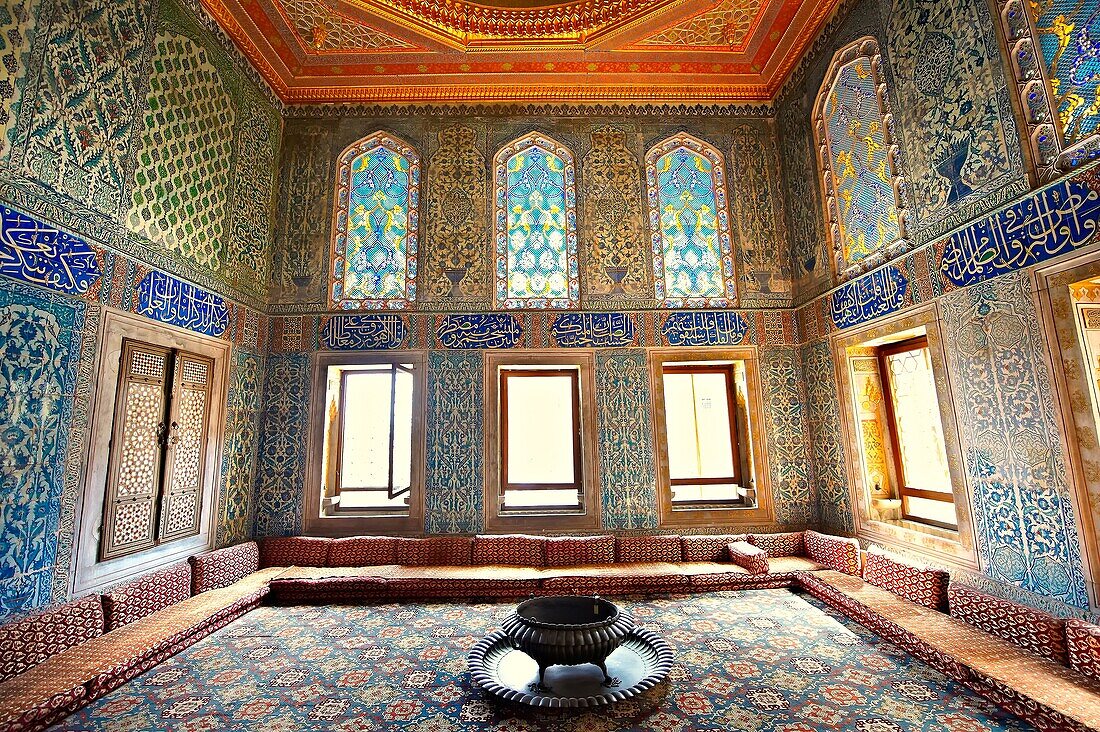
x=106, y=110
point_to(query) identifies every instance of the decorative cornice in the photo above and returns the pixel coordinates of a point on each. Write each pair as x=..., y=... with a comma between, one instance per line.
x=532, y=109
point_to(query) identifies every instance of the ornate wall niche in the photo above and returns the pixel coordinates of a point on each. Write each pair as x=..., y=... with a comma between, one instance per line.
x=375, y=225
x=858, y=161
x=872, y=519
x=616, y=264
x=1049, y=42
x=535, y=225
x=689, y=224
x=456, y=254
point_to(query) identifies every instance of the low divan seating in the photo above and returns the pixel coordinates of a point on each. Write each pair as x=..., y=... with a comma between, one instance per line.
x=1044, y=669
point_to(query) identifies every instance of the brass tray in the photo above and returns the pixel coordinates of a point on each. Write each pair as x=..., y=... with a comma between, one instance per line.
x=640, y=663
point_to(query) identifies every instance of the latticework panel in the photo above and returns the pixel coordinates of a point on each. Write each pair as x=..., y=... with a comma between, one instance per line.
x=187, y=447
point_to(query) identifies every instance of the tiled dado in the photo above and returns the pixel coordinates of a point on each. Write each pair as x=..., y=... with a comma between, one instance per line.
x=531, y=329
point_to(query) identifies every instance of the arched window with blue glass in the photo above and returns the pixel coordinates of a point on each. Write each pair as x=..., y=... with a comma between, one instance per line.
x=535, y=225
x=862, y=184
x=689, y=224
x=375, y=225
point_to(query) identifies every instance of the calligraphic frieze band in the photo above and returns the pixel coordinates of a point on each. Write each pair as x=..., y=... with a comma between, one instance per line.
x=479, y=330
x=593, y=330
x=710, y=328
x=868, y=297
x=43, y=255
x=164, y=298
x=367, y=332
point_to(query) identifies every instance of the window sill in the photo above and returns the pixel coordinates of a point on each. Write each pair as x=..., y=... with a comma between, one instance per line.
x=934, y=544
x=676, y=517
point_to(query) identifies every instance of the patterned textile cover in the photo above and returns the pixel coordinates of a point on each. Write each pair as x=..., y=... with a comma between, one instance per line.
x=569, y=551
x=223, y=567
x=146, y=595
x=362, y=551
x=416, y=589
x=290, y=551
x=923, y=585
x=331, y=590
x=837, y=552
x=47, y=711
x=626, y=585
x=740, y=581
x=444, y=551
x=516, y=550
x=656, y=548
x=1083, y=645
x=31, y=640
x=749, y=556
x=708, y=547
x=787, y=544
x=1032, y=630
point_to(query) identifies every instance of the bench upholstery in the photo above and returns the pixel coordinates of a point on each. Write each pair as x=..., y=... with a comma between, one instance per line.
x=571, y=551
x=361, y=551
x=289, y=551
x=749, y=556
x=222, y=567
x=656, y=548
x=146, y=595
x=510, y=550
x=1083, y=647
x=1031, y=629
x=708, y=547
x=925, y=586
x=442, y=551
x=31, y=640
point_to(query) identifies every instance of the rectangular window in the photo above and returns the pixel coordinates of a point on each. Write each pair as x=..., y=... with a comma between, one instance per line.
x=916, y=433
x=704, y=457
x=709, y=462
x=540, y=440
x=369, y=445
x=158, y=453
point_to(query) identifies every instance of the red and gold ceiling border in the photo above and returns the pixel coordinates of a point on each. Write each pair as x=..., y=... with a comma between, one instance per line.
x=522, y=73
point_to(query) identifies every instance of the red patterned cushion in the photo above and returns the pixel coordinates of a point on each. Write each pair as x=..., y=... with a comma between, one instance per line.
x=144, y=596
x=30, y=641
x=622, y=585
x=1083, y=645
x=362, y=551
x=510, y=549
x=435, y=551
x=328, y=590
x=1031, y=629
x=570, y=551
x=922, y=585
x=223, y=567
x=410, y=588
x=708, y=547
x=788, y=544
x=294, y=551
x=665, y=548
x=749, y=556
x=833, y=551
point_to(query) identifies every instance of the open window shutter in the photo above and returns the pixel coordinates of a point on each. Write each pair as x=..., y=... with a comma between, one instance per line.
x=134, y=469
x=185, y=467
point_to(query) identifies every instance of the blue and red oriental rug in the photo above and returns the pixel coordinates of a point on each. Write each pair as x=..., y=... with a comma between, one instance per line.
x=768, y=660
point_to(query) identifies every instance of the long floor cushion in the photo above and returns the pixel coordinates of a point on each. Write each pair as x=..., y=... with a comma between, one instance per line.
x=1041, y=691
x=62, y=683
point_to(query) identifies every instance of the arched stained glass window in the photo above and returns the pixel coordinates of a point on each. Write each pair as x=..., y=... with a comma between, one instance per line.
x=535, y=225
x=375, y=229
x=852, y=128
x=689, y=224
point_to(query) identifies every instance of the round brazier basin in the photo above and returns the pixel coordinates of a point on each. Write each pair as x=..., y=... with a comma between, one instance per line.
x=569, y=631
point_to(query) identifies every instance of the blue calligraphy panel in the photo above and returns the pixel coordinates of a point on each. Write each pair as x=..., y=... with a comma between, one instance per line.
x=1051, y=222
x=164, y=298
x=869, y=297
x=593, y=330
x=704, y=329
x=43, y=255
x=368, y=332
x=482, y=330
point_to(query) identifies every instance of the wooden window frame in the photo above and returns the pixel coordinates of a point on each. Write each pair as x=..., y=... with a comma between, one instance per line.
x=906, y=491
x=679, y=516
x=319, y=461
x=728, y=371
x=338, y=459
x=589, y=515
x=578, y=458
x=89, y=574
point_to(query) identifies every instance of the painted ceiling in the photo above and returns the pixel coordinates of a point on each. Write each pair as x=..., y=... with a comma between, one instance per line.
x=611, y=51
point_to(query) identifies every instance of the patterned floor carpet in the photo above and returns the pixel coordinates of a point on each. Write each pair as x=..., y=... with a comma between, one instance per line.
x=764, y=660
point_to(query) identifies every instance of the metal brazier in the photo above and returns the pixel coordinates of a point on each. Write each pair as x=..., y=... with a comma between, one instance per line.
x=569, y=631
